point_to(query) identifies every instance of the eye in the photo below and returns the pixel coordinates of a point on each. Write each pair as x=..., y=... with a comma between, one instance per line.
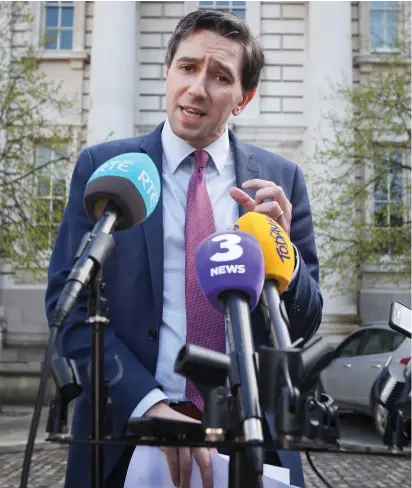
x=222, y=79
x=187, y=68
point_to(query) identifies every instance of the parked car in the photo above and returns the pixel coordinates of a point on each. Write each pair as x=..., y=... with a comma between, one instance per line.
x=392, y=391
x=359, y=359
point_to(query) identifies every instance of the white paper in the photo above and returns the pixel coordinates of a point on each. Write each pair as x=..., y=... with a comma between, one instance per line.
x=148, y=468
x=269, y=471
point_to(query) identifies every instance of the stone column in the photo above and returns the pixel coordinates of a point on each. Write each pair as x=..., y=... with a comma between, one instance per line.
x=329, y=63
x=113, y=72
x=329, y=59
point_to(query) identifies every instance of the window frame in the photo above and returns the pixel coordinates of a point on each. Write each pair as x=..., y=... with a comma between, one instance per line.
x=384, y=9
x=229, y=8
x=77, y=54
x=389, y=201
x=367, y=53
x=59, y=28
x=66, y=175
x=369, y=204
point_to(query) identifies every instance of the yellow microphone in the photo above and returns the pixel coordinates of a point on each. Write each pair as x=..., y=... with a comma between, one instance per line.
x=279, y=256
x=278, y=251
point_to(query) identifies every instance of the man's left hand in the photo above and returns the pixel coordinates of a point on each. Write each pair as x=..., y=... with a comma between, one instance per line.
x=276, y=206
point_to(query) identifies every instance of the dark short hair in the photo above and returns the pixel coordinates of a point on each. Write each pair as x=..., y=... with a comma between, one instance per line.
x=225, y=24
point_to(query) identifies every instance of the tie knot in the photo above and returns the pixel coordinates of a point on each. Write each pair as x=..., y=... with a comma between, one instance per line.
x=202, y=158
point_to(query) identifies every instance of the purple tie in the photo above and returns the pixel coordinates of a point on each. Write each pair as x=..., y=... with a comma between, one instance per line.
x=205, y=326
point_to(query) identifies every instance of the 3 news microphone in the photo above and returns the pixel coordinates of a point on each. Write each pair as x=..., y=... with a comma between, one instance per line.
x=120, y=194
x=279, y=258
x=230, y=269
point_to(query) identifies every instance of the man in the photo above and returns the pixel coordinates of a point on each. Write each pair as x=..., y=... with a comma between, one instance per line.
x=209, y=177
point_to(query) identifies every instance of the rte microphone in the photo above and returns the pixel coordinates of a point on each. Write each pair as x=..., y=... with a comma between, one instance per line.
x=230, y=269
x=279, y=257
x=120, y=194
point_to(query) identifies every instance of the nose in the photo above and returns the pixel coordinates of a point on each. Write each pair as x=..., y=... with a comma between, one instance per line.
x=198, y=86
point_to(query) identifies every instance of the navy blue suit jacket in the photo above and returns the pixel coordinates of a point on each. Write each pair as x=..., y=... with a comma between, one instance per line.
x=134, y=276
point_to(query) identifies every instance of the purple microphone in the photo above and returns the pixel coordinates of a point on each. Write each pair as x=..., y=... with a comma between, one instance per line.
x=231, y=272
x=230, y=261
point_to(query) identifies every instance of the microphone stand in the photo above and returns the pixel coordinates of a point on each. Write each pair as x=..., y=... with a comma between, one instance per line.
x=246, y=464
x=68, y=385
x=288, y=375
x=223, y=417
x=98, y=318
x=94, y=249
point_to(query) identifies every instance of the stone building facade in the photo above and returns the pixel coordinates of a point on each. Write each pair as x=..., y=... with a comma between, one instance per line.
x=111, y=63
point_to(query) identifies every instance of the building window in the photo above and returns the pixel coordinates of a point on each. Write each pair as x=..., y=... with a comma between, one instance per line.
x=237, y=8
x=58, y=25
x=389, y=197
x=384, y=25
x=50, y=193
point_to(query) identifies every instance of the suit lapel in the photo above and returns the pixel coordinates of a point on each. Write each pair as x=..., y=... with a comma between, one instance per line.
x=246, y=167
x=153, y=226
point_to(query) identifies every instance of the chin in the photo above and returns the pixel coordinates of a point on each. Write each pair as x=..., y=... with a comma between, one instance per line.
x=185, y=133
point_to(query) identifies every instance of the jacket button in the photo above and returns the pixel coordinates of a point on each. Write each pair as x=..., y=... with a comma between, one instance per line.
x=152, y=334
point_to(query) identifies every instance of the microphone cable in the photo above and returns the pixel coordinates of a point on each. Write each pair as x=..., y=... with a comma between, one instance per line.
x=315, y=470
x=41, y=392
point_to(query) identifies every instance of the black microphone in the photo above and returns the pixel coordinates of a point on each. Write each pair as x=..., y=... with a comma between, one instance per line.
x=231, y=273
x=288, y=371
x=120, y=194
x=279, y=258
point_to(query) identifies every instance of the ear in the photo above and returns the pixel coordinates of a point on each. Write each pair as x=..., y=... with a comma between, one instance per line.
x=167, y=72
x=246, y=98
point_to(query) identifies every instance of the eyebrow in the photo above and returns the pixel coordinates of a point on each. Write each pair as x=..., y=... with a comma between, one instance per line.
x=219, y=64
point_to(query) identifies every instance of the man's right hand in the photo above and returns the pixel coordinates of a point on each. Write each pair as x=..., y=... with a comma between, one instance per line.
x=179, y=459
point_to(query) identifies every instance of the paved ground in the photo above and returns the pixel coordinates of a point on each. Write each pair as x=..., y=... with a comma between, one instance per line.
x=341, y=470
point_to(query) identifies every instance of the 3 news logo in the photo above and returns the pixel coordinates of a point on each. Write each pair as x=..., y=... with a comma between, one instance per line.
x=230, y=244
x=228, y=269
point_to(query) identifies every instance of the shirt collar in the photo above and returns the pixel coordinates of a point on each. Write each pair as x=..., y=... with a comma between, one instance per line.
x=176, y=149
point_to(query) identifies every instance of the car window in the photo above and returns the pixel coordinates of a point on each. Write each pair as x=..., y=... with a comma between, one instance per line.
x=397, y=341
x=377, y=342
x=350, y=347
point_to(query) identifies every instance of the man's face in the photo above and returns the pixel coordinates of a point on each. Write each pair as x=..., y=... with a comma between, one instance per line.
x=203, y=87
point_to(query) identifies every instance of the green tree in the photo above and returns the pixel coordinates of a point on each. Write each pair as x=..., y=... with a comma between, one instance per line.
x=361, y=184
x=34, y=152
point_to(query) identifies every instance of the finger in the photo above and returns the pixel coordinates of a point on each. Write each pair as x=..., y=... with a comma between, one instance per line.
x=270, y=193
x=242, y=198
x=172, y=457
x=257, y=184
x=202, y=457
x=271, y=209
x=185, y=467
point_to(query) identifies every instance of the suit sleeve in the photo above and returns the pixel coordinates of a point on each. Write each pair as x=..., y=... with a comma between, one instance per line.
x=303, y=298
x=128, y=379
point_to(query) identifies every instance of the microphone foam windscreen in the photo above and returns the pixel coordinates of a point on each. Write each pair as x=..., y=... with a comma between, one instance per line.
x=131, y=181
x=230, y=261
x=277, y=248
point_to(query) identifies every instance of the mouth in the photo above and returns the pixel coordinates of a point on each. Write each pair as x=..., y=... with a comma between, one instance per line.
x=192, y=112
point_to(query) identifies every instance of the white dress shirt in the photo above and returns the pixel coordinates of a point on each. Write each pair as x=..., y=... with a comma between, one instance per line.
x=220, y=177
